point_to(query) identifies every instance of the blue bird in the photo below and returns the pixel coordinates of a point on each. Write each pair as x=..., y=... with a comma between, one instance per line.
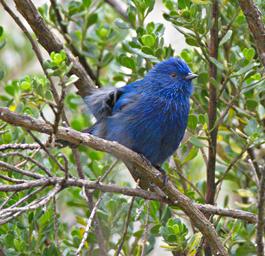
x=148, y=116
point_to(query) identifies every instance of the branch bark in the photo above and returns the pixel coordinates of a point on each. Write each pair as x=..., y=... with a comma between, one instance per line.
x=125, y=154
x=212, y=110
x=261, y=214
x=73, y=182
x=256, y=26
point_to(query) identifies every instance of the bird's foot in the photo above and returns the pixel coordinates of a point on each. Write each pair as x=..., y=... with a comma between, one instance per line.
x=164, y=174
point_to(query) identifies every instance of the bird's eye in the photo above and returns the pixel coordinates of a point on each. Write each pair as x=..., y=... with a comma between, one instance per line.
x=173, y=74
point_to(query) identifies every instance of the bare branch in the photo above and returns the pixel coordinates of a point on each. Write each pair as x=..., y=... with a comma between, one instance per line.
x=51, y=181
x=148, y=172
x=212, y=109
x=41, y=166
x=19, y=146
x=146, y=228
x=89, y=199
x=89, y=223
x=261, y=214
x=123, y=237
x=6, y=166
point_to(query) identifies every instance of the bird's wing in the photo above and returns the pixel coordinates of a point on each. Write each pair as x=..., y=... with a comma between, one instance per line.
x=103, y=102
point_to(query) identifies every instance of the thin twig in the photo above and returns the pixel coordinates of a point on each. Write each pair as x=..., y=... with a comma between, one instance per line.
x=261, y=214
x=89, y=223
x=7, y=166
x=19, y=146
x=56, y=225
x=210, y=209
x=146, y=228
x=47, y=151
x=123, y=238
x=89, y=199
x=7, y=200
x=41, y=166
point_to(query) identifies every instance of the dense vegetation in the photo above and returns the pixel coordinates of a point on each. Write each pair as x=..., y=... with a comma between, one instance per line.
x=221, y=160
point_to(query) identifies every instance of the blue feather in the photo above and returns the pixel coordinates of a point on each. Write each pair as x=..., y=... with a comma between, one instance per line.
x=150, y=115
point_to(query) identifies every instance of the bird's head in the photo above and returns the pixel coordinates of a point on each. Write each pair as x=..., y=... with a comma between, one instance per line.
x=173, y=72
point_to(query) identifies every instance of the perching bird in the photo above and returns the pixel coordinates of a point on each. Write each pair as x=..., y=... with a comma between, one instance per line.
x=148, y=116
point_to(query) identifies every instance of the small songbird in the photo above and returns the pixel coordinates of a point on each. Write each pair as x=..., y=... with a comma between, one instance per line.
x=148, y=116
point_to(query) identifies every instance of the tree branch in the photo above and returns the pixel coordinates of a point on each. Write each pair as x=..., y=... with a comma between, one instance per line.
x=71, y=182
x=89, y=223
x=256, y=26
x=23, y=146
x=148, y=172
x=261, y=214
x=212, y=110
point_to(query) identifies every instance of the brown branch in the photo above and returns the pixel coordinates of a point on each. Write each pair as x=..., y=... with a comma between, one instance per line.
x=123, y=238
x=7, y=200
x=28, y=158
x=6, y=166
x=51, y=181
x=33, y=205
x=89, y=223
x=261, y=214
x=89, y=199
x=19, y=146
x=52, y=43
x=256, y=26
x=253, y=160
x=212, y=110
x=148, y=172
x=146, y=228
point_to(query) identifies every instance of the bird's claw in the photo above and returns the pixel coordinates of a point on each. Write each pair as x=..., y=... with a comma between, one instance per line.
x=164, y=175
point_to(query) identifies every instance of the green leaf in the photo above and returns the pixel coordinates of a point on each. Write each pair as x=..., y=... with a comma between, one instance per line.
x=251, y=104
x=71, y=80
x=192, y=121
x=1, y=31
x=25, y=86
x=245, y=193
x=2, y=73
x=217, y=63
x=191, y=155
x=196, y=142
x=251, y=127
x=2, y=44
x=148, y=40
x=92, y=19
x=226, y=37
x=103, y=32
x=245, y=69
x=127, y=61
x=249, y=53
x=191, y=41
x=86, y=3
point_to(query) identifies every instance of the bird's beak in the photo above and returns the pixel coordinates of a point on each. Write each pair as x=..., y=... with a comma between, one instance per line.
x=190, y=76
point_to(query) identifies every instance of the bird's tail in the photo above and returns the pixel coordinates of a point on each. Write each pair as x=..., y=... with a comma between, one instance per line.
x=101, y=101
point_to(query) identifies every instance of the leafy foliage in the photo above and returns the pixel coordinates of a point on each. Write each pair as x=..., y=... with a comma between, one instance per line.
x=120, y=51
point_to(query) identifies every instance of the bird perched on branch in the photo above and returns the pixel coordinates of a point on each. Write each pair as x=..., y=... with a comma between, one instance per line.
x=148, y=116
